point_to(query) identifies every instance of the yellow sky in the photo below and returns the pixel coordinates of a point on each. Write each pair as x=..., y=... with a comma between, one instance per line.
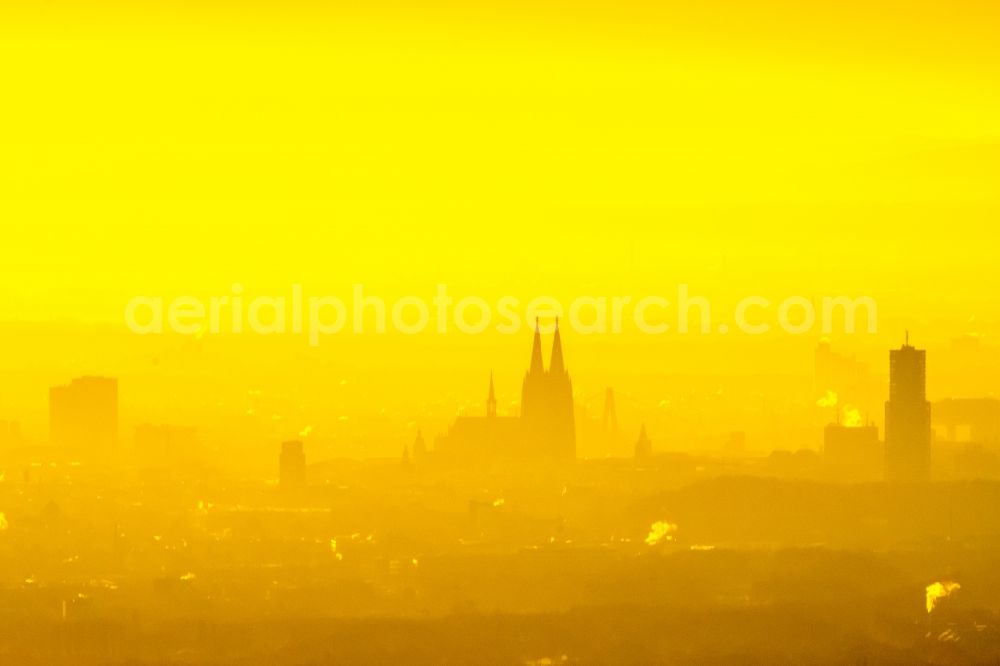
x=501, y=148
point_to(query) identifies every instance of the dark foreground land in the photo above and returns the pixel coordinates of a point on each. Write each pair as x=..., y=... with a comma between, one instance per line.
x=610, y=635
x=381, y=566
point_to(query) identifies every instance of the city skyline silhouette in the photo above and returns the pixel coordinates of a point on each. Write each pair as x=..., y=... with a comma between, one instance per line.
x=537, y=333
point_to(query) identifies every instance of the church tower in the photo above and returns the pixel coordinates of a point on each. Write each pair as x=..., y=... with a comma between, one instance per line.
x=560, y=389
x=533, y=387
x=643, y=447
x=547, y=411
x=491, y=401
x=419, y=448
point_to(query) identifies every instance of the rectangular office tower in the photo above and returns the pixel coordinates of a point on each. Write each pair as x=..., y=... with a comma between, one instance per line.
x=83, y=415
x=907, y=417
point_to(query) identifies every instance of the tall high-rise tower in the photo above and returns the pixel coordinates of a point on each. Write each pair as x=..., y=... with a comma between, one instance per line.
x=907, y=417
x=83, y=415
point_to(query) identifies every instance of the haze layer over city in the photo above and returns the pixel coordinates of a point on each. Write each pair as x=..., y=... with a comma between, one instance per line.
x=499, y=333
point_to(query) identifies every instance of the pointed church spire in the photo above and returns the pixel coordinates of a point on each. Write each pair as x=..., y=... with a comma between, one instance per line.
x=536, y=367
x=643, y=447
x=556, y=365
x=491, y=400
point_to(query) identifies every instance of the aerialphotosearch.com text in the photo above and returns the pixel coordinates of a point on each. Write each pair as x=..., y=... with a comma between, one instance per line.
x=318, y=316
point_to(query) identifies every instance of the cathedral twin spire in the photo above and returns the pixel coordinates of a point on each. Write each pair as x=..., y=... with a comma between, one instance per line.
x=556, y=364
x=547, y=410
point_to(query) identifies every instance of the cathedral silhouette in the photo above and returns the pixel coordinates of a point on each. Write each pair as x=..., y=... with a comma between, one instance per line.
x=545, y=429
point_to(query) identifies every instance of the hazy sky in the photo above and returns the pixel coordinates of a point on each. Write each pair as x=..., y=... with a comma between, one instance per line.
x=771, y=148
